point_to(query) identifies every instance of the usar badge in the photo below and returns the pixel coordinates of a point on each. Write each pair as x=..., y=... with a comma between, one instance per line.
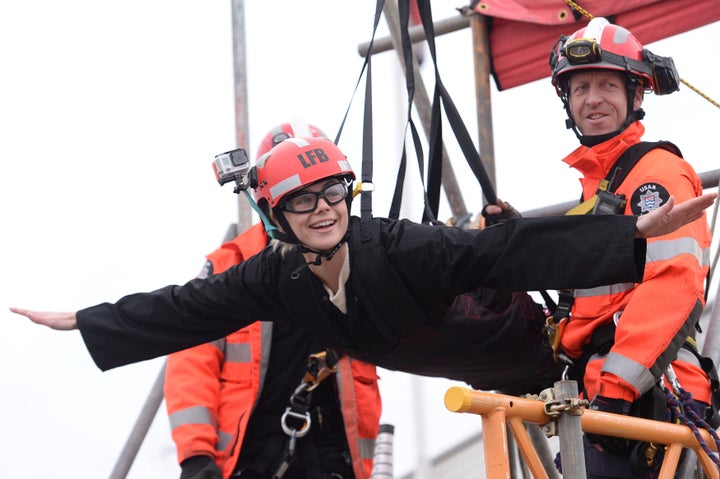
x=647, y=198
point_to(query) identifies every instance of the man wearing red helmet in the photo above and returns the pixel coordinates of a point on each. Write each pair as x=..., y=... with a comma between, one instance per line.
x=226, y=399
x=621, y=339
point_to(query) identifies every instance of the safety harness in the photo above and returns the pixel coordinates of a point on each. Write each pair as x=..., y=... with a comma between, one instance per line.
x=296, y=420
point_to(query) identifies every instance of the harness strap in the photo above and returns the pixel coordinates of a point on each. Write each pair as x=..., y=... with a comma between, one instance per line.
x=296, y=421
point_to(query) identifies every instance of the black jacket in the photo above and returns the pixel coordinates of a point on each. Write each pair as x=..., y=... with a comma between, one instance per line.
x=403, y=280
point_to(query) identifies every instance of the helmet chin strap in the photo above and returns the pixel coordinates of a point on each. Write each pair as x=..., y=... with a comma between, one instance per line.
x=288, y=236
x=328, y=255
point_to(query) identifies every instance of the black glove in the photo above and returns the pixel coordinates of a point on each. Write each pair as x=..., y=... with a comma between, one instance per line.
x=507, y=212
x=615, y=406
x=200, y=467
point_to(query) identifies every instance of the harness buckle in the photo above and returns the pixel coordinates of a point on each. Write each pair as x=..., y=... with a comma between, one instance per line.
x=318, y=369
x=554, y=331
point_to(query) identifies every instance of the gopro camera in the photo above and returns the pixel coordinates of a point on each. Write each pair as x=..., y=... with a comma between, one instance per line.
x=233, y=166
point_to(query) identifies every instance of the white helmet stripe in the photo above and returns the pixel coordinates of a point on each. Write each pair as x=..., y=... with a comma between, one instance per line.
x=300, y=128
x=299, y=142
x=595, y=28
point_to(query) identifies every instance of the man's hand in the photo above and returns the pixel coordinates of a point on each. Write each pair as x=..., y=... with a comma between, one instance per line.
x=54, y=320
x=668, y=217
x=615, y=406
x=494, y=214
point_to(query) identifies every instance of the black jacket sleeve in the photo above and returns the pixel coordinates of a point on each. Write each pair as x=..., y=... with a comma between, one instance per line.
x=146, y=325
x=527, y=254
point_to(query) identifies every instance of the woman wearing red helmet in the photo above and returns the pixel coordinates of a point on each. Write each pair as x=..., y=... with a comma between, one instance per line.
x=411, y=272
x=379, y=289
x=226, y=399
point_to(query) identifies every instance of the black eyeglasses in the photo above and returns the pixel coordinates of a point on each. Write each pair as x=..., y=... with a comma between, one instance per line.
x=307, y=201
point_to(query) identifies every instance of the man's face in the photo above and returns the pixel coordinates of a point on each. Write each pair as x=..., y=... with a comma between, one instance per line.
x=598, y=101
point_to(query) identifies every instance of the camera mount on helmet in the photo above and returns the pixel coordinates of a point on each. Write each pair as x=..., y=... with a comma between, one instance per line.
x=234, y=166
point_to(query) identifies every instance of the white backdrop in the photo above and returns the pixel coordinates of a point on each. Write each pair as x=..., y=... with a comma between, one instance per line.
x=110, y=115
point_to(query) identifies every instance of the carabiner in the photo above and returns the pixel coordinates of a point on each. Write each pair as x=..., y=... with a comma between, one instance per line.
x=295, y=432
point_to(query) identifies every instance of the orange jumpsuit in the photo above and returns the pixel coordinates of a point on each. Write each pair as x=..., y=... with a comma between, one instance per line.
x=658, y=314
x=211, y=389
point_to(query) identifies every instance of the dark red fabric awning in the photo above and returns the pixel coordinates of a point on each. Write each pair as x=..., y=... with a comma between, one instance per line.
x=522, y=32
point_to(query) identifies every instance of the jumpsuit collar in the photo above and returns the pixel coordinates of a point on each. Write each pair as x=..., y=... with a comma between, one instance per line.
x=595, y=162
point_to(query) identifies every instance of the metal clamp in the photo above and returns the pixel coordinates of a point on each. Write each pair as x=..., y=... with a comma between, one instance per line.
x=554, y=407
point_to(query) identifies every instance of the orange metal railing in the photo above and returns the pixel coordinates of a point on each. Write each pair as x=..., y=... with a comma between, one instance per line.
x=500, y=412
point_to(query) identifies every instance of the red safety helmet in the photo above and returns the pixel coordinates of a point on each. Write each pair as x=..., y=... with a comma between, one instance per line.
x=296, y=163
x=600, y=45
x=283, y=131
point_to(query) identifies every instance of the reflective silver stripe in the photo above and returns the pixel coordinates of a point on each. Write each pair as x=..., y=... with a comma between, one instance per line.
x=223, y=441
x=630, y=371
x=656, y=251
x=663, y=250
x=192, y=415
x=688, y=357
x=266, y=329
x=282, y=187
x=604, y=290
x=219, y=343
x=238, y=353
x=367, y=448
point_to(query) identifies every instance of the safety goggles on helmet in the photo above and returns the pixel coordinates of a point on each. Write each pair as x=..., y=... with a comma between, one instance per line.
x=307, y=201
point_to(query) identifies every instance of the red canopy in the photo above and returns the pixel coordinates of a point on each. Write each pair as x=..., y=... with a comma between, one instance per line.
x=522, y=32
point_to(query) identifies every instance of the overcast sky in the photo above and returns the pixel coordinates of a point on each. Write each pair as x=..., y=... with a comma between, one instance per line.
x=110, y=116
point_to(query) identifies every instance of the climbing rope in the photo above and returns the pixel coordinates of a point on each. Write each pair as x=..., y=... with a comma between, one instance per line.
x=679, y=403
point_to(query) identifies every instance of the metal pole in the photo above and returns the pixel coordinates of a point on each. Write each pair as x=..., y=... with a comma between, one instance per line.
x=709, y=179
x=424, y=109
x=155, y=397
x=140, y=429
x=711, y=345
x=241, y=95
x=417, y=34
x=570, y=432
x=481, y=60
x=539, y=440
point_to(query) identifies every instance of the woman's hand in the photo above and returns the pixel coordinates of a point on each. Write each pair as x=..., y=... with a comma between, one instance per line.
x=51, y=319
x=669, y=217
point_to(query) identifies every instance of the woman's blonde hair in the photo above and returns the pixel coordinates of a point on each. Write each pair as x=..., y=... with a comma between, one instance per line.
x=276, y=244
x=281, y=246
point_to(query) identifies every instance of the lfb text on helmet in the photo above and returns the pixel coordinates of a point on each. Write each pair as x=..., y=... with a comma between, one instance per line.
x=312, y=157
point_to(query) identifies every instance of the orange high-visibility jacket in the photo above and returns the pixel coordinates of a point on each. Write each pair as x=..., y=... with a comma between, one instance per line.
x=210, y=389
x=658, y=314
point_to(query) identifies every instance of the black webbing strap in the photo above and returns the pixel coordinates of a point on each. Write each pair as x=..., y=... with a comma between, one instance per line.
x=367, y=153
x=428, y=215
x=615, y=176
x=631, y=156
x=441, y=96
